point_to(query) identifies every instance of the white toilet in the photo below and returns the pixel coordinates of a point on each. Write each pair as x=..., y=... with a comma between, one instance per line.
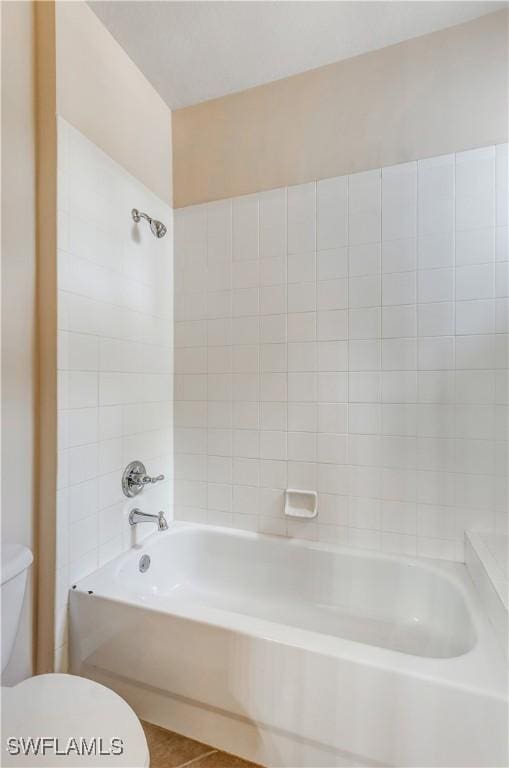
x=82, y=723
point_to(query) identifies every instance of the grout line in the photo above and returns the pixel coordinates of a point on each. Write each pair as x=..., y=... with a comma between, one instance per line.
x=196, y=759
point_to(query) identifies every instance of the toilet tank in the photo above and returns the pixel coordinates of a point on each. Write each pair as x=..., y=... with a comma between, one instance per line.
x=16, y=560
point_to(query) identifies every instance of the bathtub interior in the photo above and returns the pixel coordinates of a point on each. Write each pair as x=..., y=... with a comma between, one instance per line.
x=386, y=602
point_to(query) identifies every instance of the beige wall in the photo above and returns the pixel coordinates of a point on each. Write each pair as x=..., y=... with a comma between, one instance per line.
x=18, y=301
x=435, y=94
x=104, y=95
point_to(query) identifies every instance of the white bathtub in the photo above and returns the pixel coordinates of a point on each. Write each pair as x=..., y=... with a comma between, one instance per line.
x=297, y=654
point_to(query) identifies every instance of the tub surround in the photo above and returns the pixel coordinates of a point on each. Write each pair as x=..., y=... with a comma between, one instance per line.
x=115, y=360
x=258, y=624
x=348, y=336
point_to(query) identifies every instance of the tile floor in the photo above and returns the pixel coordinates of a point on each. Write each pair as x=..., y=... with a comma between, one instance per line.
x=170, y=750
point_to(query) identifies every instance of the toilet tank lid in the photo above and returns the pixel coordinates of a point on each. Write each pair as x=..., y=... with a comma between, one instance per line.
x=15, y=559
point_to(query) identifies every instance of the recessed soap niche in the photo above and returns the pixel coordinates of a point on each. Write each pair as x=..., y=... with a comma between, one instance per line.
x=301, y=504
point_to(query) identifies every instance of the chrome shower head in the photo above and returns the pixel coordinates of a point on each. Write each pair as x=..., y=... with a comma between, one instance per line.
x=157, y=227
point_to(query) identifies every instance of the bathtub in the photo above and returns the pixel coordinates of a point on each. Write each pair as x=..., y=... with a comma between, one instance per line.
x=291, y=653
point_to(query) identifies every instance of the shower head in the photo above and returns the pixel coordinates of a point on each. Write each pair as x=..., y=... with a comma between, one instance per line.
x=157, y=227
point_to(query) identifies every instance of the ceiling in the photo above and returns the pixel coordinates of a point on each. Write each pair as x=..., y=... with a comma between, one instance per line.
x=193, y=51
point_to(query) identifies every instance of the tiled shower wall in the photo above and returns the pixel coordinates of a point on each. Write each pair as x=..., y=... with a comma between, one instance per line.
x=348, y=336
x=115, y=359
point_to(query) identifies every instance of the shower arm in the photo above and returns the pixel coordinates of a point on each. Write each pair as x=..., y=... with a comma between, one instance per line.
x=158, y=229
x=137, y=215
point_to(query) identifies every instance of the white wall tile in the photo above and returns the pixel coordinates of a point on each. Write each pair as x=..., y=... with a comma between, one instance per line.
x=302, y=267
x=364, y=357
x=115, y=356
x=273, y=445
x=436, y=353
x=501, y=183
x=272, y=223
x=364, y=292
x=273, y=415
x=435, y=285
x=273, y=329
x=475, y=282
x=301, y=298
x=475, y=317
x=502, y=279
x=364, y=513
x=332, y=387
x=399, y=354
x=332, y=212
x=245, y=302
x=242, y=274
x=301, y=326
x=332, y=263
x=273, y=271
x=219, y=232
x=399, y=201
x=82, y=426
x=303, y=417
x=399, y=288
x=475, y=246
x=399, y=386
x=436, y=386
x=436, y=319
x=302, y=218
x=436, y=250
x=245, y=228
x=364, y=387
x=399, y=255
x=79, y=352
x=365, y=323
x=302, y=356
x=475, y=188
x=273, y=300
x=332, y=325
x=332, y=294
x=364, y=418
x=399, y=321
x=364, y=207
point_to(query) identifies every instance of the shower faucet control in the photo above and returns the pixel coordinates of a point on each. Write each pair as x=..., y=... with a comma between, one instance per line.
x=135, y=478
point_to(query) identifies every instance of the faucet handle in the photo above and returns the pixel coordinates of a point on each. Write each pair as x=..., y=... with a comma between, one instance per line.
x=135, y=478
x=147, y=480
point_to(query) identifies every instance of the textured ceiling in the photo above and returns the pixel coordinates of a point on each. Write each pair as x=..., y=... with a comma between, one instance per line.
x=193, y=51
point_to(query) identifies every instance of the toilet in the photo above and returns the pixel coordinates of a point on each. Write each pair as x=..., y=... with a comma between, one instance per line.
x=57, y=719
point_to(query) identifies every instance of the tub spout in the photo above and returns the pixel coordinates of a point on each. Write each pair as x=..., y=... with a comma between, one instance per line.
x=137, y=516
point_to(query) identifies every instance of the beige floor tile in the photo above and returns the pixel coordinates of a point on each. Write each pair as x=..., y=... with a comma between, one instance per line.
x=170, y=750
x=222, y=760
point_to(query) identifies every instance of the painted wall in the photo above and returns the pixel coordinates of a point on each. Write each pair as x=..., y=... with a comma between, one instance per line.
x=349, y=336
x=101, y=92
x=18, y=298
x=115, y=360
x=105, y=96
x=439, y=93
